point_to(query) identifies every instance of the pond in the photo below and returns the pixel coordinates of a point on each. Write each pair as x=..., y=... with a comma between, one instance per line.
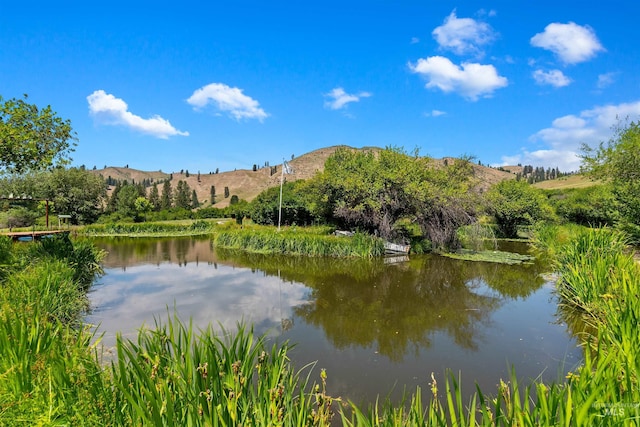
x=379, y=327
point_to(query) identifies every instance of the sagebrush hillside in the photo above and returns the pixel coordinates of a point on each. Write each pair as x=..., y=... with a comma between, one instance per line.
x=247, y=184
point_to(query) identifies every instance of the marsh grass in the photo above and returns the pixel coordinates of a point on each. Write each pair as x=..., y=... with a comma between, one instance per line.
x=298, y=241
x=150, y=229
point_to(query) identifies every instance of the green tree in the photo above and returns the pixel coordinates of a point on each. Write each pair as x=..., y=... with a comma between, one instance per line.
x=194, y=200
x=17, y=217
x=74, y=192
x=167, y=195
x=374, y=189
x=234, y=200
x=516, y=203
x=226, y=192
x=618, y=163
x=183, y=195
x=113, y=200
x=141, y=206
x=126, y=201
x=213, y=194
x=590, y=206
x=32, y=138
x=154, y=197
x=296, y=209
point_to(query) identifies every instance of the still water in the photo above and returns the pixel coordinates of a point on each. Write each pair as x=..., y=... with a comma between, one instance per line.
x=378, y=327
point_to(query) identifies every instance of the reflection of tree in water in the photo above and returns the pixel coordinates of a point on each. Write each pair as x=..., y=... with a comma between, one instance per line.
x=124, y=252
x=364, y=303
x=400, y=307
x=513, y=281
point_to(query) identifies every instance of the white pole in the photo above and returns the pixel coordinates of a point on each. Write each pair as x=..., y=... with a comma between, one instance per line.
x=280, y=208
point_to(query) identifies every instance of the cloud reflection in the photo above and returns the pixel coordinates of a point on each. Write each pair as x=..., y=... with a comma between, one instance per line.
x=124, y=300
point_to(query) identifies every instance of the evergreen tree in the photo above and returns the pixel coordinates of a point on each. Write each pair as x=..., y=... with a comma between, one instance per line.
x=112, y=203
x=226, y=192
x=187, y=173
x=183, y=196
x=234, y=200
x=213, y=194
x=194, y=200
x=142, y=190
x=154, y=198
x=167, y=196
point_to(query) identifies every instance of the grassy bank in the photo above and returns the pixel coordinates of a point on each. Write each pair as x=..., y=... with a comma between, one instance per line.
x=150, y=229
x=309, y=241
x=174, y=375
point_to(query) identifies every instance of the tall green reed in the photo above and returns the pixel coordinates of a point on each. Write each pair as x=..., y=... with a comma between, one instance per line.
x=49, y=374
x=298, y=242
x=174, y=377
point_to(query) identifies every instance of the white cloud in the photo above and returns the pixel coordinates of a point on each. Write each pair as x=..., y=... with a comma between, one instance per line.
x=566, y=135
x=471, y=80
x=463, y=35
x=107, y=109
x=606, y=80
x=227, y=99
x=435, y=113
x=571, y=42
x=338, y=98
x=555, y=78
x=415, y=40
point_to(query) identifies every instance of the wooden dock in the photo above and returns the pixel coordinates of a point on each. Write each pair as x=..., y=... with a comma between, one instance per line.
x=20, y=236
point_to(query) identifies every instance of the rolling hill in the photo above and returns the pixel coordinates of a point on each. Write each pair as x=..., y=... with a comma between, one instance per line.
x=247, y=184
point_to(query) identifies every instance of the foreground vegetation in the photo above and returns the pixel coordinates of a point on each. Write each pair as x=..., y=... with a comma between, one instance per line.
x=51, y=373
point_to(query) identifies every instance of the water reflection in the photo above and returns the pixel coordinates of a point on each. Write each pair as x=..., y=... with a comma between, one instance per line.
x=371, y=324
x=397, y=307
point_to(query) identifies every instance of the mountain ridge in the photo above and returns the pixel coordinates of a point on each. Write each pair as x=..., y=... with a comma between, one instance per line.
x=247, y=183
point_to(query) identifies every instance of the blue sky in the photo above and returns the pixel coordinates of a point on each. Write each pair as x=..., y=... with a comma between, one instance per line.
x=206, y=85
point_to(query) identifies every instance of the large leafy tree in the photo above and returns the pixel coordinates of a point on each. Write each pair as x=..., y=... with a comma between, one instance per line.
x=74, y=192
x=618, y=162
x=373, y=189
x=32, y=138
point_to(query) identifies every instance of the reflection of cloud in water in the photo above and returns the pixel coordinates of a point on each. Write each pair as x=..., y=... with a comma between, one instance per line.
x=125, y=300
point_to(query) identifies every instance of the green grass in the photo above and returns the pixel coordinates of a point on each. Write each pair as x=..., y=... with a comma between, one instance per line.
x=150, y=229
x=298, y=241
